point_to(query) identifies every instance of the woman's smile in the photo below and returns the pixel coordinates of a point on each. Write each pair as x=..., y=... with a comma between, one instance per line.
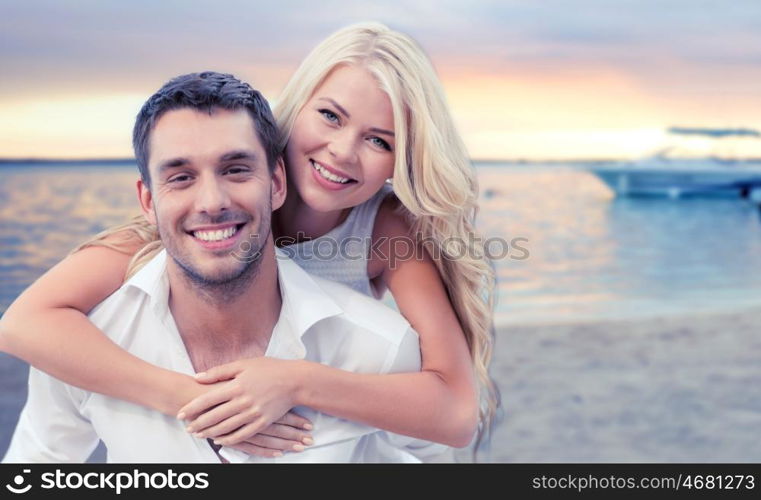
x=329, y=178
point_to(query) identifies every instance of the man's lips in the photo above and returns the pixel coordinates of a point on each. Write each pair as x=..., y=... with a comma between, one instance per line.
x=215, y=233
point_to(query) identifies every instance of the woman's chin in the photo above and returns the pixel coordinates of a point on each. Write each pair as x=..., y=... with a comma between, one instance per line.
x=321, y=201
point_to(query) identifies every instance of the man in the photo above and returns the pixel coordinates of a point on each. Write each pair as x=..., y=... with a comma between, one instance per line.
x=211, y=174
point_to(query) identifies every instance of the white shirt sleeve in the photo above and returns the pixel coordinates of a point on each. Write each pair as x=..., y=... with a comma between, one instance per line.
x=51, y=428
x=408, y=359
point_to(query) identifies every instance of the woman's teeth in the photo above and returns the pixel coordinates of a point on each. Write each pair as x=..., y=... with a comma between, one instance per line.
x=329, y=176
x=219, y=235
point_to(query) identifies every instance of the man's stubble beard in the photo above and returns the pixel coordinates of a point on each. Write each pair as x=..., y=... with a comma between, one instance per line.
x=225, y=289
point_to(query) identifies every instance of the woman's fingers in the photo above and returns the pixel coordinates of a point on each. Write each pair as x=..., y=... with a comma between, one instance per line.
x=276, y=443
x=219, y=373
x=274, y=439
x=285, y=432
x=295, y=420
x=202, y=403
x=249, y=419
x=241, y=434
x=258, y=450
x=203, y=425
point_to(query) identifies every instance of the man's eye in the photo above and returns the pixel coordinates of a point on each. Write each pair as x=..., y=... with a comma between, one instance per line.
x=179, y=178
x=329, y=115
x=237, y=170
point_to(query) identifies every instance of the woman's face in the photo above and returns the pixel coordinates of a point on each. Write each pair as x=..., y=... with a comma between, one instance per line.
x=341, y=149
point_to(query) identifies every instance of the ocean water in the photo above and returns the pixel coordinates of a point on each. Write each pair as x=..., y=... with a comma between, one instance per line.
x=564, y=248
x=595, y=256
x=565, y=251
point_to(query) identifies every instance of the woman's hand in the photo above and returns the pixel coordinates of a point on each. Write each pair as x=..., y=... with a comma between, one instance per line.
x=286, y=434
x=257, y=392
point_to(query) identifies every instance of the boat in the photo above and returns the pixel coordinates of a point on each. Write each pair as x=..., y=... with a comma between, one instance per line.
x=668, y=172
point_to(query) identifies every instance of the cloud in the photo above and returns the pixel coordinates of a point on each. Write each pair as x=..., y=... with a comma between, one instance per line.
x=124, y=40
x=699, y=59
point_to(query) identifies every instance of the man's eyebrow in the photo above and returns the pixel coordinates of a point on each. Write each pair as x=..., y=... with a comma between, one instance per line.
x=240, y=154
x=172, y=163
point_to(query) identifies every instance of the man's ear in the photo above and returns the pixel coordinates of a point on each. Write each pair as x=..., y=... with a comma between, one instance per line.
x=146, y=201
x=279, y=189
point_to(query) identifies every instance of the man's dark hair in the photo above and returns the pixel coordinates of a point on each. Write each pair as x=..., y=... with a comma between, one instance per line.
x=204, y=92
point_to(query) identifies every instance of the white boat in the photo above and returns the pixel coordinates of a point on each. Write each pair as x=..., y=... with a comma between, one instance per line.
x=668, y=174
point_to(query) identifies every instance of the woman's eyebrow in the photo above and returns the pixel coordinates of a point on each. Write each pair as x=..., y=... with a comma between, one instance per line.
x=346, y=113
x=382, y=131
x=334, y=103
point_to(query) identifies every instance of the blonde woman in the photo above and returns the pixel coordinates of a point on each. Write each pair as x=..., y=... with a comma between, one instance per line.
x=364, y=112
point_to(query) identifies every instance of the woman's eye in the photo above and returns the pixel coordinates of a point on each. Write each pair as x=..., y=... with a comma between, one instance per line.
x=329, y=115
x=377, y=141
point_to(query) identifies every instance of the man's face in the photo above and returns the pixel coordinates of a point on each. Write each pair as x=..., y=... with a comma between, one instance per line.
x=211, y=193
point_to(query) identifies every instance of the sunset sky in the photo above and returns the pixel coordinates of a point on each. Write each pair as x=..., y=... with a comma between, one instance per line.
x=546, y=79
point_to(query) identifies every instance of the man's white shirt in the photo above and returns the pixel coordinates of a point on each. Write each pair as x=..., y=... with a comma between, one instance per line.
x=319, y=321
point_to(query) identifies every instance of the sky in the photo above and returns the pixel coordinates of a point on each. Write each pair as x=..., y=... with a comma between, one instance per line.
x=550, y=79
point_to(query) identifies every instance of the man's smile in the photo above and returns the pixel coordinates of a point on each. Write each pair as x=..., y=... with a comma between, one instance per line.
x=217, y=237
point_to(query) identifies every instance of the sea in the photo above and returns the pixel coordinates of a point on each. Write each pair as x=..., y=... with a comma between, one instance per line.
x=564, y=248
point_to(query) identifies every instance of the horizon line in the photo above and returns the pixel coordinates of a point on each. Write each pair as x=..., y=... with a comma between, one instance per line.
x=132, y=160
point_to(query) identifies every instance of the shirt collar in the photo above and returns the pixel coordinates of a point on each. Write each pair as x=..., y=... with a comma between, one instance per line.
x=153, y=280
x=304, y=301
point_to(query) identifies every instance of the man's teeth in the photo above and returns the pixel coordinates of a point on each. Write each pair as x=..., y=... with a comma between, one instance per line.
x=329, y=176
x=219, y=235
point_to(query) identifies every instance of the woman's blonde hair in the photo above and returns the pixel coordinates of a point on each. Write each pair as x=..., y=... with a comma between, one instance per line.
x=433, y=177
x=138, y=234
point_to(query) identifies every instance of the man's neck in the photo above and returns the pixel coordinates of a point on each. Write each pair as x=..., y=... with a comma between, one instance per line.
x=218, y=327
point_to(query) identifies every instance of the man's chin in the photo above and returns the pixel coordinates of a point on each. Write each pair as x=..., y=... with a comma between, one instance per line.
x=209, y=269
x=217, y=275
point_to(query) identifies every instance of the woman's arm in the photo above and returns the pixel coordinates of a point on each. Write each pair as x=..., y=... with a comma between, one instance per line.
x=438, y=404
x=47, y=327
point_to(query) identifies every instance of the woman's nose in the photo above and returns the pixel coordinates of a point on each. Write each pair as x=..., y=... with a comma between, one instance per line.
x=343, y=148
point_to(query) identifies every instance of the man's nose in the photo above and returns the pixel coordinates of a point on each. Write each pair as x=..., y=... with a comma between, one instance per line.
x=343, y=147
x=212, y=196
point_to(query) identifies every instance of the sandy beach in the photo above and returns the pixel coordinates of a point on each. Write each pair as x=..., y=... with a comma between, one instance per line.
x=677, y=389
x=672, y=389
